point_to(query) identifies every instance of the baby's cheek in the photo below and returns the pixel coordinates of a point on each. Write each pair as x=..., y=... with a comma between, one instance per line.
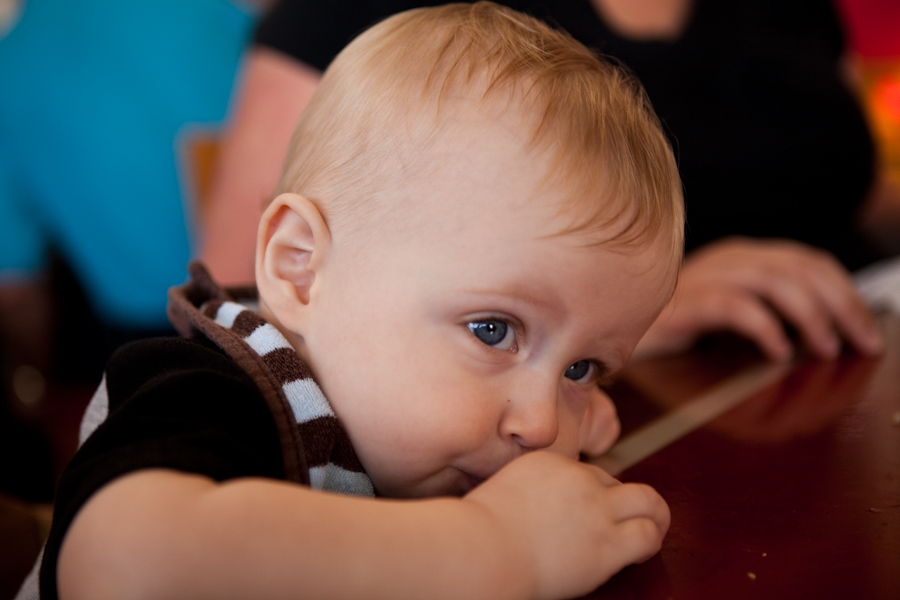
x=600, y=427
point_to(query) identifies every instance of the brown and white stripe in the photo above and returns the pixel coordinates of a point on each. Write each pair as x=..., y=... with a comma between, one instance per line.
x=329, y=456
x=315, y=448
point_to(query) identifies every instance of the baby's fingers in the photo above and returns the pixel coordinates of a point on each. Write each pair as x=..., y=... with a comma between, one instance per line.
x=600, y=426
x=636, y=502
x=639, y=539
x=642, y=521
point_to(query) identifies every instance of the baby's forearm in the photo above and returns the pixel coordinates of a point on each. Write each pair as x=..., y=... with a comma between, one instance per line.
x=164, y=534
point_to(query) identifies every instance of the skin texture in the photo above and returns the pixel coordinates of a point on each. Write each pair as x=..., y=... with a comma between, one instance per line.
x=382, y=317
x=474, y=241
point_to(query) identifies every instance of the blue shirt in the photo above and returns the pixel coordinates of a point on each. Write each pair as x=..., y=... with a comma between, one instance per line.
x=104, y=106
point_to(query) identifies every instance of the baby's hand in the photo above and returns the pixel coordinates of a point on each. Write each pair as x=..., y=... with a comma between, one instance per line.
x=600, y=427
x=571, y=523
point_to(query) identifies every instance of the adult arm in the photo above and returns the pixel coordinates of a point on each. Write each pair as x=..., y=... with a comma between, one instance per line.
x=273, y=93
x=293, y=44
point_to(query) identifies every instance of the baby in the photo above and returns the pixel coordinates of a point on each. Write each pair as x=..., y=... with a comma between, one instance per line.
x=477, y=221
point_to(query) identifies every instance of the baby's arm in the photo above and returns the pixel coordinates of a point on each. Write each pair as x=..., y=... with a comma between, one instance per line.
x=543, y=527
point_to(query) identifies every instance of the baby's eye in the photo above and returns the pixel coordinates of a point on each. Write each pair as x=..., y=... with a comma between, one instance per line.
x=580, y=371
x=494, y=333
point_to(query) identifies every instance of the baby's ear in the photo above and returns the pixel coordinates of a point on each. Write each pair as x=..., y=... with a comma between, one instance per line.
x=292, y=242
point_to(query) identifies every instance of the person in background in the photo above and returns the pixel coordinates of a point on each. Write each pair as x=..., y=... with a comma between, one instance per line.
x=99, y=97
x=772, y=146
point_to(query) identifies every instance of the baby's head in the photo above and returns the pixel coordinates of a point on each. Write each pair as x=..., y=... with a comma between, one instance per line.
x=477, y=221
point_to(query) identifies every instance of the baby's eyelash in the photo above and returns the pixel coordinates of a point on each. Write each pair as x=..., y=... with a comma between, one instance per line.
x=596, y=373
x=600, y=374
x=603, y=376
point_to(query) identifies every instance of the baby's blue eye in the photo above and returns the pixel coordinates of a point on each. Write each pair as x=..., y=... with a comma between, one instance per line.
x=494, y=333
x=577, y=371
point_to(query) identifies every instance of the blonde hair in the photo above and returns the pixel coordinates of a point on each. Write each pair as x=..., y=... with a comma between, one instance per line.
x=591, y=117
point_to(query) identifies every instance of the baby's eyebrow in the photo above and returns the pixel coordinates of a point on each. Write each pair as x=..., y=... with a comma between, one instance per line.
x=516, y=292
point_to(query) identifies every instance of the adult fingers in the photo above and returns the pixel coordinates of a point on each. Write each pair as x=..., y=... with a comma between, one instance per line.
x=851, y=316
x=735, y=309
x=801, y=304
x=810, y=289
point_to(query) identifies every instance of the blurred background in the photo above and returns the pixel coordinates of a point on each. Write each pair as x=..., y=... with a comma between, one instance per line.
x=110, y=115
x=872, y=28
x=111, y=119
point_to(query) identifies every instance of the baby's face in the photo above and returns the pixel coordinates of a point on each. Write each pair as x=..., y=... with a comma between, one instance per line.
x=470, y=333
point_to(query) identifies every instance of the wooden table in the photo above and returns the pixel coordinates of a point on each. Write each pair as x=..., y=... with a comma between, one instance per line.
x=784, y=482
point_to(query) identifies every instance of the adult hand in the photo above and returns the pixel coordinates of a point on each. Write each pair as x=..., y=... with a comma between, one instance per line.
x=753, y=287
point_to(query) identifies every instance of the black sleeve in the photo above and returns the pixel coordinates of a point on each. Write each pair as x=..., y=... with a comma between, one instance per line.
x=314, y=32
x=176, y=404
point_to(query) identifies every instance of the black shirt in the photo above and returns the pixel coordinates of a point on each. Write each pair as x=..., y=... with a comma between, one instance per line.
x=173, y=403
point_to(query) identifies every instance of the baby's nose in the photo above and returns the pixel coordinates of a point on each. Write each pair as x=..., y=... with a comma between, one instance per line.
x=531, y=418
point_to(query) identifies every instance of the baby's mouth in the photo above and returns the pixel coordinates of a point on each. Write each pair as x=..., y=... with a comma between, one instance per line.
x=470, y=482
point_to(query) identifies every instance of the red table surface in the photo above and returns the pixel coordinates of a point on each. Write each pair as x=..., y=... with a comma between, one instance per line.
x=793, y=493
